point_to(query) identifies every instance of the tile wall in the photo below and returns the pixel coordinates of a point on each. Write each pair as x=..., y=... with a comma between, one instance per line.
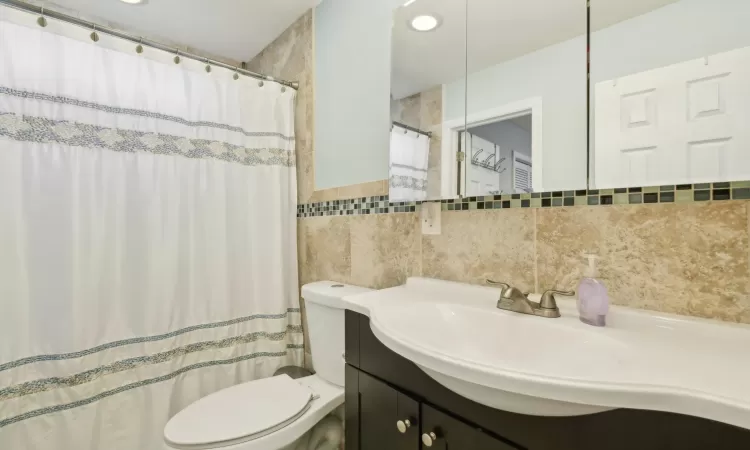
x=673, y=255
x=689, y=259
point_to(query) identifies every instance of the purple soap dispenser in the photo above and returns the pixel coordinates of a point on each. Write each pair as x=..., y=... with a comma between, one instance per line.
x=593, y=299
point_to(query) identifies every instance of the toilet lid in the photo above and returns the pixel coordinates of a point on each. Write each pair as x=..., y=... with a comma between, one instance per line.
x=238, y=412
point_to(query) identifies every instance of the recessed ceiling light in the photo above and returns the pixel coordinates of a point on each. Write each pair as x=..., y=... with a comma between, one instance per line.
x=133, y=2
x=425, y=23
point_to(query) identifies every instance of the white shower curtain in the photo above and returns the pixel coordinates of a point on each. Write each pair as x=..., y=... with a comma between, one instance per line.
x=147, y=239
x=409, y=162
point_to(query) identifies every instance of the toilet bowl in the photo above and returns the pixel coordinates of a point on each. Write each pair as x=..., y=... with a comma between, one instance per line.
x=274, y=413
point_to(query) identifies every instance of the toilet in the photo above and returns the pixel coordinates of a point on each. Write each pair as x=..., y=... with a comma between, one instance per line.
x=275, y=413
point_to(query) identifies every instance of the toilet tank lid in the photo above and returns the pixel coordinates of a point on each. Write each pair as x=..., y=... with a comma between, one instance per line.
x=330, y=293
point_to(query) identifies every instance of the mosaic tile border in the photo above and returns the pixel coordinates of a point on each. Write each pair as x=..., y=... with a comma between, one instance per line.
x=355, y=207
x=681, y=193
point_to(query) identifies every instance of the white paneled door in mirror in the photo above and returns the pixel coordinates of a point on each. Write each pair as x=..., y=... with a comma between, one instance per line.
x=670, y=92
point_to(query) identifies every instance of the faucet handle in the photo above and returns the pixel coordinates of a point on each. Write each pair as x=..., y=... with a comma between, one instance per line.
x=505, y=286
x=548, y=298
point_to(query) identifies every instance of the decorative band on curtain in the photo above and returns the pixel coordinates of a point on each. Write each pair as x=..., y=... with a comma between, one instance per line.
x=147, y=239
x=164, y=348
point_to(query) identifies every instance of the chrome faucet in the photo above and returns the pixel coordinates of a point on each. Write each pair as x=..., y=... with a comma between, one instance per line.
x=511, y=299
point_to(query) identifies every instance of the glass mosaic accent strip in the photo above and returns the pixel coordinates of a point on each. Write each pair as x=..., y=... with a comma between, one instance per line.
x=681, y=193
x=355, y=207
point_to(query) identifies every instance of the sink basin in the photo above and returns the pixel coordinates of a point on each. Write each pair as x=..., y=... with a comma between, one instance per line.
x=562, y=367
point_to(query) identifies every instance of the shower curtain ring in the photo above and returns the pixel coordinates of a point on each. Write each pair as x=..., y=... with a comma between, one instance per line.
x=177, y=56
x=236, y=75
x=139, y=47
x=42, y=21
x=94, y=35
x=208, y=66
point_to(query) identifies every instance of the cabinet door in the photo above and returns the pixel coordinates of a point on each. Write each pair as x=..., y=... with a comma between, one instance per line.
x=381, y=407
x=452, y=434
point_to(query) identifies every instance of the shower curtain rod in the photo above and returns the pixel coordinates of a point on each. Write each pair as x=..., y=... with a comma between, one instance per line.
x=44, y=12
x=407, y=127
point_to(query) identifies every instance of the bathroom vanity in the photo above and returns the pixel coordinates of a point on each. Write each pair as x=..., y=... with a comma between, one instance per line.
x=392, y=402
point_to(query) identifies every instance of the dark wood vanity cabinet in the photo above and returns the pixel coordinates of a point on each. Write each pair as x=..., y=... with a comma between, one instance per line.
x=390, y=419
x=453, y=434
x=381, y=408
x=383, y=388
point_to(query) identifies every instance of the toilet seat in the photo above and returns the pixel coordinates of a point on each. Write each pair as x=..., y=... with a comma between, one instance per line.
x=239, y=414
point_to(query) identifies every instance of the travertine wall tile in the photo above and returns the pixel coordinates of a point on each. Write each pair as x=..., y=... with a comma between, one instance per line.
x=434, y=165
x=435, y=157
x=477, y=245
x=323, y=195
x=370, y=189
x=290, y=54
x=305, y=177
x=290, y=57
x=385, y=249
x=431, y=108
x=423, y=110
x=687, y=259
x=407, y=110
x=327, y=249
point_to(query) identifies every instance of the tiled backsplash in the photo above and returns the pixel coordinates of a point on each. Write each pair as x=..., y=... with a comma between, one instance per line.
x=689, y=258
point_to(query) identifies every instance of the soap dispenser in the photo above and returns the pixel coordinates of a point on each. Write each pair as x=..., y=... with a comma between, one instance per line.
x=593, y=299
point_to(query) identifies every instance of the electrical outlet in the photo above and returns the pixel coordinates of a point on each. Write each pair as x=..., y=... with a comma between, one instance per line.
x=430, y=217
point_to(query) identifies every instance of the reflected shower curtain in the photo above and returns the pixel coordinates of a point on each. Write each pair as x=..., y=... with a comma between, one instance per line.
x=147, y=240
x=408, y=168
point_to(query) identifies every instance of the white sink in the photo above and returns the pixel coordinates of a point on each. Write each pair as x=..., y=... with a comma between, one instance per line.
x=562, y=367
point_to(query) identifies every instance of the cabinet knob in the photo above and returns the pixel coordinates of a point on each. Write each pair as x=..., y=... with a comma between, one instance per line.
x=403, y=425
x=429, y=438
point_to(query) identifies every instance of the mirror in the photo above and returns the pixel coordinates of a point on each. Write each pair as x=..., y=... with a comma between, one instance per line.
x=526, y=104
x=428, y=61
x=670, y=97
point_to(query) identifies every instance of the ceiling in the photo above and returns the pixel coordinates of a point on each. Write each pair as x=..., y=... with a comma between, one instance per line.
x=523, y=121
x=229, y=29
x=499, y=30
x=491, y=131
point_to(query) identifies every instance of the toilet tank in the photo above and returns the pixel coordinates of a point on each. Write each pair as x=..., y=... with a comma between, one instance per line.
x=325, y=326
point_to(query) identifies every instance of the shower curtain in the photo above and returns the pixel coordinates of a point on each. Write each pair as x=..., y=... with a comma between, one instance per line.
x=409, y=162
x=147, y=238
